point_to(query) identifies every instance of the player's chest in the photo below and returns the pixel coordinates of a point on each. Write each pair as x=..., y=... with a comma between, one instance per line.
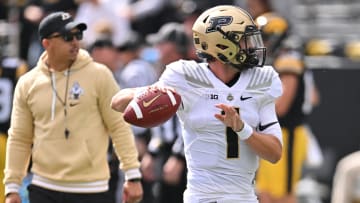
x=201, y=108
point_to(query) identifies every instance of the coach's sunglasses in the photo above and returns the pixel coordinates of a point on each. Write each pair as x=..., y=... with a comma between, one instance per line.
x=69, y=36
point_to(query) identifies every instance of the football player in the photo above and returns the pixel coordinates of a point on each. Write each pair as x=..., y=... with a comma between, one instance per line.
x=11, y=68
x=276, y=182
x=228, y=113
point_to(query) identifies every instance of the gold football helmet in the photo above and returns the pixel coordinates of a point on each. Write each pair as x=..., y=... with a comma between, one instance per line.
x=274, y=29
x=229, y=34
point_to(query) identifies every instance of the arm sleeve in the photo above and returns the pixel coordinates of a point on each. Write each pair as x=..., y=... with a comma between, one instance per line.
x=267, y=107
x=120, y=132
x=268, y=115
x=19, y=143
x=173, y=76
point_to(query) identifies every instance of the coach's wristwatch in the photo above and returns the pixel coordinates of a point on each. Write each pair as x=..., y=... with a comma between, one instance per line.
x=135, y=180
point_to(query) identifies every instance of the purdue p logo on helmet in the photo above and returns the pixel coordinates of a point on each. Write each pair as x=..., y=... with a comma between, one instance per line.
x=229, y=34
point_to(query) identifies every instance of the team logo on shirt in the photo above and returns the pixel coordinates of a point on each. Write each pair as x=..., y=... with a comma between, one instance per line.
x=230, y=97
x=263, y=127
x=212, y=96
x=243, y=98
x=75, y=92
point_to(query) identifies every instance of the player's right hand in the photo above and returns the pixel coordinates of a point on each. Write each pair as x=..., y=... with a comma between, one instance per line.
x=230, y=117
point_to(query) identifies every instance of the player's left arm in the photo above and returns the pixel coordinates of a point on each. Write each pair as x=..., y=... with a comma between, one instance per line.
x=266, y=144
x=266, y=139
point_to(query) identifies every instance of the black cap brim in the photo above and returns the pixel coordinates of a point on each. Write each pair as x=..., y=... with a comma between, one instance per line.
x=72, y=25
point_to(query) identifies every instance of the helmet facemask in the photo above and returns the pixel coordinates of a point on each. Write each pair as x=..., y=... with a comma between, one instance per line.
x=251, y=51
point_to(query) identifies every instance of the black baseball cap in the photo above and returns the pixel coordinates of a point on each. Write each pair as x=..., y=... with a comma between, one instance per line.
x=61, y=22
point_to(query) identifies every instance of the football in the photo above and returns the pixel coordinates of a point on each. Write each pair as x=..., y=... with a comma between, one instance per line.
x=152, y=108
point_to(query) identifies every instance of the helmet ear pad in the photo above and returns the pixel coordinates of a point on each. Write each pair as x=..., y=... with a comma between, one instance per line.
x=223, y=58
x=247, y=58
x=241, y=56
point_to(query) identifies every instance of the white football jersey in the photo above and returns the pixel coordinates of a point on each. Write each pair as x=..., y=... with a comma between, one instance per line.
x=218, y=162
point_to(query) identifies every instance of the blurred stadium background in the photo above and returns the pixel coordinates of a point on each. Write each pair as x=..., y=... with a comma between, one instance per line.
x=330, y=29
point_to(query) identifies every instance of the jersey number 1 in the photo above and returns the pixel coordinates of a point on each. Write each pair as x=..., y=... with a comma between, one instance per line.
x=232, y=141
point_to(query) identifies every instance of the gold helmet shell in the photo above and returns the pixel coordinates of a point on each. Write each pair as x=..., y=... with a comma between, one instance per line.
x=229, y=34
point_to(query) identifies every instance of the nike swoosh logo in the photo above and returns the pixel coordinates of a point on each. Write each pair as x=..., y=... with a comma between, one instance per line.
x=244, y=98
x=73, y=104
x=148, y=103
x=263, y=127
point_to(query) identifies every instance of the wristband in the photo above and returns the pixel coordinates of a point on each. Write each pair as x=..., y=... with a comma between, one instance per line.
x=245, y=132
x=11, y=188
x=132, y=174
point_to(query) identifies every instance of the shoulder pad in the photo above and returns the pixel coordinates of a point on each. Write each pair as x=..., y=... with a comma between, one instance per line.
x=194, y=73
x=289, y=63
x=265, y=80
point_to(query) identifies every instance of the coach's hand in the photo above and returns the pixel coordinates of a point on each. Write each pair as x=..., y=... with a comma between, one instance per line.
x=13, y=198
x=133, y=192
